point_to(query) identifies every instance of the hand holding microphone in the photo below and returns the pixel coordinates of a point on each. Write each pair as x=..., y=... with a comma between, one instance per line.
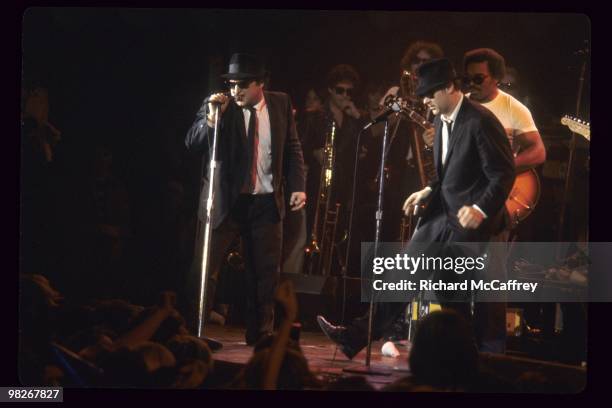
x=219, y=99
x=351, y=110
x=391, y=106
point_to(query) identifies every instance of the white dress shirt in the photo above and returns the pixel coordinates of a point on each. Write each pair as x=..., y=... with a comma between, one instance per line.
x=445, y=136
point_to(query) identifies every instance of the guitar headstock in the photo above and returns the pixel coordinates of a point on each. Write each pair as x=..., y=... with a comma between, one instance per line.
x=576, y=125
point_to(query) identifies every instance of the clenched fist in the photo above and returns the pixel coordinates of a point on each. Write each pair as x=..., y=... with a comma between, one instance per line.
x=297, y=200
x=470, y=217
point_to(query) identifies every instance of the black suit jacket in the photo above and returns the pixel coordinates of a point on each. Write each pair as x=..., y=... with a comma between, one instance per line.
x=232, y=154
x=479, y=170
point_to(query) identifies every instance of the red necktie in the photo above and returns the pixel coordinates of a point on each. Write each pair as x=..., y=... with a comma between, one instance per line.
x=253, y=137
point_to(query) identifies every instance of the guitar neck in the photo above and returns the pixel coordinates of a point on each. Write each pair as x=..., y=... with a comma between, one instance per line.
x=408, y=111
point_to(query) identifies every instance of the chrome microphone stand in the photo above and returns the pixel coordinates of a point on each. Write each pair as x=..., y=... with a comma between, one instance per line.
x=208, y=226
x=367, y=369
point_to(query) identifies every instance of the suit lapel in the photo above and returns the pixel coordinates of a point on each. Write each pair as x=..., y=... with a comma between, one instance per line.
x=458, y=130
x=438, y=146
x=275, y=127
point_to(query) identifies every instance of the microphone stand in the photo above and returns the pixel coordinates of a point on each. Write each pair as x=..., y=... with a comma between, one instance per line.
x=570, y=161
x=367, y=369
x=208, y=227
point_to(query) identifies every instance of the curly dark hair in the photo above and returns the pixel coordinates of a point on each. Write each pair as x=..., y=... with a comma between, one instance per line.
x=342, y=72
x=494, y=60
x=413, y=49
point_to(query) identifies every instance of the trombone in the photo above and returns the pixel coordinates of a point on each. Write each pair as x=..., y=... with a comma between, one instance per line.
x=320, y=250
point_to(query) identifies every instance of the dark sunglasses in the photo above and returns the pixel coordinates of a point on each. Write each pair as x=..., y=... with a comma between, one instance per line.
x=241, y=84
x=340, y=90
x=478, y=79
x=417, y=60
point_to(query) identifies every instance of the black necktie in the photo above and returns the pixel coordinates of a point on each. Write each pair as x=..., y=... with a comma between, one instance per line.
x=449, y=127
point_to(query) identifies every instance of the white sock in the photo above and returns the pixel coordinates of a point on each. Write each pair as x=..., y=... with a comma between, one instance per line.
x=389, y=350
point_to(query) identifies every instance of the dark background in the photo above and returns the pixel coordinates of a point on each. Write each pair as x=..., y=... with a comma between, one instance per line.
x=68, y=84
x=141, y=74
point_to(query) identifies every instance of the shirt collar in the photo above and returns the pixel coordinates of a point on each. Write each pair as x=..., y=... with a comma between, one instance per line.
x=453, y=116
x=260, y=105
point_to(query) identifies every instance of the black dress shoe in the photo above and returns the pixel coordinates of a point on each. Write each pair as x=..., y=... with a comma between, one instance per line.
x=338, y=335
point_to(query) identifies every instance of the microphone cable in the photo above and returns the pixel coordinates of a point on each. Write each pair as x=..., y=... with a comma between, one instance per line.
x=350, y=229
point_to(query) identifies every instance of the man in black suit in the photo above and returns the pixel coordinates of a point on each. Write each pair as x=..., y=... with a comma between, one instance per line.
x=257, y=152
x=466, y=204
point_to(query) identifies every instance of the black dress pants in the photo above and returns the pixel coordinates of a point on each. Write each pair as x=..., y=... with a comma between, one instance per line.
x=438, y=230
x=255, y=218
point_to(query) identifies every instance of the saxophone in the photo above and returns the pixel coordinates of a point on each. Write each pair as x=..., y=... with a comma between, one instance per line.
x=322, y=243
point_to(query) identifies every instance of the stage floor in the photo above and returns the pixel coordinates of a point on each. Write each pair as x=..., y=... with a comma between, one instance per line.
x=319, y=352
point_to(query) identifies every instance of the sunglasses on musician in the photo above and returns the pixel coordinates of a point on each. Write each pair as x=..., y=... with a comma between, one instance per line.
x=477, y=79
x=419, y=61
x=340, y=90
x=241, y=84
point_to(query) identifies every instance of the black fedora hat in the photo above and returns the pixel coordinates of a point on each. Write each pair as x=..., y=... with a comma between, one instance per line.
x=433, y=75
x=242, y=66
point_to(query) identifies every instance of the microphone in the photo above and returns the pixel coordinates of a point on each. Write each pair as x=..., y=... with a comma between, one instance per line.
x=207, y=100
x=393, y=107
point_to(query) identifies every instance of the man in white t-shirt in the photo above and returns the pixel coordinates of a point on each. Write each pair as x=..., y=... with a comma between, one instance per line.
x=484, y=68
